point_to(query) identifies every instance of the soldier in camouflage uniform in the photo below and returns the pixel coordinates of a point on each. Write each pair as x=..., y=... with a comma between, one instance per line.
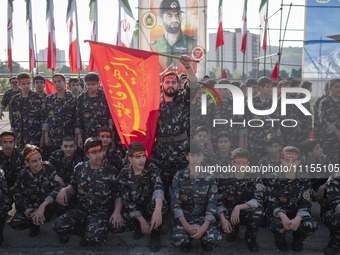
x=240, y=201
x=61, y=114
x=112, y=155
x=95, y=185
x=6, y=99
x=172, y=127
x=27, y=111
x=5, y=203
x=143, y=195
x=332, y=216
x=11, y=160
x=92, y=110
x=74, y=86
x=289, y=203
x=317, y=129
x=36, y=189
x=257, y=136
x=330, y=122
x=174, y=41
x=194, y=202
x=39, y=85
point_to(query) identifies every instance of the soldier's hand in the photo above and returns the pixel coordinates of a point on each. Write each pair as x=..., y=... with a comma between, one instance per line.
x=235, y=216
x=38, y=216
x=1, y=115
x=116, y=220
x=145, y=226
x=79, y=141
x=295, y=223
x=191, y=229
x=200, y=230
x=62, y=197
x=285, y=222
x=156, y=219
x=226, y=226
x=48, y=141
x=319, y=195
x=185, y=60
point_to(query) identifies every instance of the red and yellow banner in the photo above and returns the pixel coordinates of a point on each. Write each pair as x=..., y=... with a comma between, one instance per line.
x=131, y=84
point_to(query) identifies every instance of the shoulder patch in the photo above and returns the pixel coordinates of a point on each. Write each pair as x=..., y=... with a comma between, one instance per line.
x=259, y=187
x=306, y=195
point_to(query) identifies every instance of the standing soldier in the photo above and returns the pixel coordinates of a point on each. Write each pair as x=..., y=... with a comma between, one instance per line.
x=39, y=85
x=143, y=195
x=11, y=160
x=27, y=111
x=332, y=216
x=317, y=113
x=330, y=122
x=173, y=126
x=240, y=201
x=92, y=110
x=35, y=191
x=15, y=89
x=74, y=86
x=289, y=203
x=95, y=185
x=194, y=202
x=5, y=204
x=61, y=114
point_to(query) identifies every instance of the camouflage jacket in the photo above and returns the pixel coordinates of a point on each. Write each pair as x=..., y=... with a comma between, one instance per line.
x=63, y=167
x=138, y=190
x=193, y=197
x=333, y=193
x=33, y=189
x=289, y=196
x=5, y=198
x=233, y=192
x=6, y=99
x=114, y=158
x=11, y=166
x=95, y=190
x=329, y=111
x=28, y=116
x=92, y=114
x=61, y=117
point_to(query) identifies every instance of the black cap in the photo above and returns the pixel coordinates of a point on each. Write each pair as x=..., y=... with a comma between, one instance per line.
x=169, y=5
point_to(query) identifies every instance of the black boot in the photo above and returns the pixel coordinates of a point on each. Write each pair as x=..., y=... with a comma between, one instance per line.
x=297, y=241
x=63, y=238
x=137, y=234
x=34, y=231
x=155, y=241
x=186, y=247
x=251, y=242
x=207, y=247
x=280, y=241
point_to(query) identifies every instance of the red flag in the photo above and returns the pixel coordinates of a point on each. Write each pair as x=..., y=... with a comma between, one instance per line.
x=9, y=34
x=94, y=36
x=275, y=73
x=32, y=60
x=49, y=86
x=224, y=74
x=219, y=38
x=244, y=30
x=132, y=91
x=52, y=50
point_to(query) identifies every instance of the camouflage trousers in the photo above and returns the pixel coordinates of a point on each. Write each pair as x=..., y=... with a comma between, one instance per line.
x=251, y=218
x=92, y=226
x=19, y=221
x=307, y=227
x=179, y=236
x=332, y=221
x=169, y=158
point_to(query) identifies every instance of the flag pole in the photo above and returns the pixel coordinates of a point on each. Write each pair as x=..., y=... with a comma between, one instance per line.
x=265, y=31
x=36, y=53
x=244, y=58
x=222, y=60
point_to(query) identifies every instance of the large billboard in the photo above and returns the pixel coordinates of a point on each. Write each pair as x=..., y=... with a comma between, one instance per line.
x=322, y=46
x=174, y=27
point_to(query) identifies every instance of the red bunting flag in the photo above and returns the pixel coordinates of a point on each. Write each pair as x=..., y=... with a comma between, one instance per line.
x=219, y=37
x=131, y=85
x=224, y=74
x=244, y=30
x=94, y=35
x=275, y=73
x=32, y=60
x=49, y=86
x=52, y=50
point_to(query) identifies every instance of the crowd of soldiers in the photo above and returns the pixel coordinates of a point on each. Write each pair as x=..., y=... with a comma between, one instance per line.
x=63, y=155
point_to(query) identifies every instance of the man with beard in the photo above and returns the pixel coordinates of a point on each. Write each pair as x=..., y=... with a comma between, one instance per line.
x=173, y=41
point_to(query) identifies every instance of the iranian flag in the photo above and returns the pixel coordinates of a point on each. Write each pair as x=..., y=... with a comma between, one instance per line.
x=219, y=38
x=263, y=22
x=94, y=36
x=30, y=34
x=126, y=24
x=72, y=27
x=9, y=34
x=244, y=31
x=52, y=50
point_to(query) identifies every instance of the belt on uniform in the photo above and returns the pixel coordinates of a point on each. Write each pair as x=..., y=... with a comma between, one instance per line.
x=172, y=139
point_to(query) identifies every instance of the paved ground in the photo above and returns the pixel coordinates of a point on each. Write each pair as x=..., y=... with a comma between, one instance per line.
x=18, y=242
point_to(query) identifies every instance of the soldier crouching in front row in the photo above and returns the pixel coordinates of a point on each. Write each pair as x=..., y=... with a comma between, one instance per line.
x=194, y=201
x=95, y=184
x=5, y=204
x=34, y=192
x=143, y=195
